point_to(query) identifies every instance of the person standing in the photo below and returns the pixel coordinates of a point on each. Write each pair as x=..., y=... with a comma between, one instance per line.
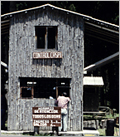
x=63, y=102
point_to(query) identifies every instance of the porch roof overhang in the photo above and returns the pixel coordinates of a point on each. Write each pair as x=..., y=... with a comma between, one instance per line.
x=102, y=32
x=93, y=81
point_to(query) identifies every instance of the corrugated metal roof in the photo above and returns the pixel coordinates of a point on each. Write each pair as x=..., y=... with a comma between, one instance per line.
x=93, y=81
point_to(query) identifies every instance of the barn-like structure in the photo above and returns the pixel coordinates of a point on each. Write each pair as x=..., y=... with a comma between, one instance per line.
x=46, y=57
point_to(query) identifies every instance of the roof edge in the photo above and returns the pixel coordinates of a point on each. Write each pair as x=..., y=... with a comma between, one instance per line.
x=86, y=17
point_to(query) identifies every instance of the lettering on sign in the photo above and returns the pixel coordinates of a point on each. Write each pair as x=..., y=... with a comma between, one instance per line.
x=47, y=55
x=46, y=116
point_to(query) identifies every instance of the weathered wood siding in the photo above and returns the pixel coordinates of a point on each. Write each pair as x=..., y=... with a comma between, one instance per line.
x=21, y=64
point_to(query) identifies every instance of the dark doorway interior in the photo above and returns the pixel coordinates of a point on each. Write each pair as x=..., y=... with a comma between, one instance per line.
x=91, y=99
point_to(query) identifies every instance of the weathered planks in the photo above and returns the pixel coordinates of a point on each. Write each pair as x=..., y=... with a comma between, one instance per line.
x=22, y=44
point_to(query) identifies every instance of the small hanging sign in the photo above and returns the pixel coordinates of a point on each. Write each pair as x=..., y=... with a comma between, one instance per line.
x=47, y=55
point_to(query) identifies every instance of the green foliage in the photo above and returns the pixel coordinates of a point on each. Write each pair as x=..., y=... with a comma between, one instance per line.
x=102, y=132
x=87, y=117
x=100, y=117
x=110, y=116
x=21, y=5
x=72, y=7
x=64, y=4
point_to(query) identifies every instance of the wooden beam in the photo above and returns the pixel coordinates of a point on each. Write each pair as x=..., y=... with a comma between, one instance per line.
x=7, y=29
x=56, y=92
x=104, y=39
x=3, y=33
x=101, y=27
x=4, y=64
x=102, y=62
x=5, y=21
x=90, y=29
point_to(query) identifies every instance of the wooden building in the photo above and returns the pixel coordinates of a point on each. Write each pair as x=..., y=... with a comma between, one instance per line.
x=46, y=57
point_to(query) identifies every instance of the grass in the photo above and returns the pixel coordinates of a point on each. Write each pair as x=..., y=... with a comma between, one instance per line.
x=102, y=132
x=100, y=117
x=111, y=116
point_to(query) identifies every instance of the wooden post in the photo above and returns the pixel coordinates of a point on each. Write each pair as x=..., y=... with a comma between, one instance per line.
x=36, y=130
x=56, y=92
x=55, y=129
x=110, y=127
x=33, y=89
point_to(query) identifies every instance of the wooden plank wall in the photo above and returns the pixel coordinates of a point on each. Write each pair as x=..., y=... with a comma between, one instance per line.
x=21, y=46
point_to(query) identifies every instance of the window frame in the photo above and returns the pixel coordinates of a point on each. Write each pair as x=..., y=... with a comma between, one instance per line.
x=46, y=37
x=32, y=92
x=57, y=81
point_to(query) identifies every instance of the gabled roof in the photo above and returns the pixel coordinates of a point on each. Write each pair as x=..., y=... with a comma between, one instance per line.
x=104, y=30
x=86, y=17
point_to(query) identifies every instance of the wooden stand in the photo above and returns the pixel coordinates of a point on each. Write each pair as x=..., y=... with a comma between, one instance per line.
x=55, y=129
x=36, y=130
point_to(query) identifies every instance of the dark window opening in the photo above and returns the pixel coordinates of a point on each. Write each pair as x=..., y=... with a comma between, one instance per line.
x=43, y=87
x=63, y=86
x=40, y=33
x=51, y=37
x=26, y=92
x=40, y=36
x=46, y=37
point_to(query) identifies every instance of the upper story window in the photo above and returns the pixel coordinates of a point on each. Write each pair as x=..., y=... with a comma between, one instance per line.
x=46, y=37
